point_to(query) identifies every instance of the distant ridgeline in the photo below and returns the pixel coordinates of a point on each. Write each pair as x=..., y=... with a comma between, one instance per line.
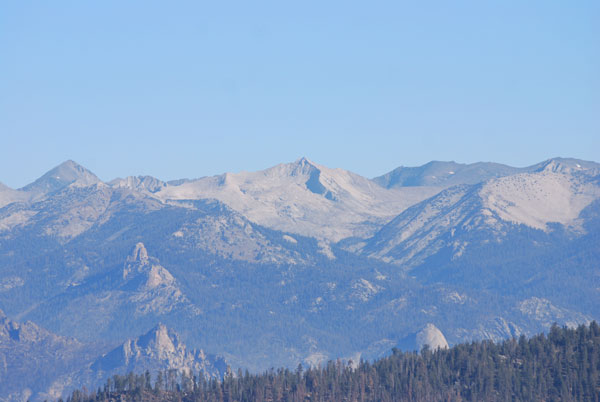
x=564, y=365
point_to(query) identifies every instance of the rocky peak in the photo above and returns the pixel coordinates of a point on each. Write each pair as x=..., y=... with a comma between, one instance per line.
x=431, y=336
x=63, y=175
x=314, y=184
x=136, y=262
x=303, y=166
x=139, y=183
x=160, y=341
x=158, y=349
x=147, y=271
x=139, y=254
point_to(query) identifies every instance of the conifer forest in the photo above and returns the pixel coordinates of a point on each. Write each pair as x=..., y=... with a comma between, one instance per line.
x=563, y=365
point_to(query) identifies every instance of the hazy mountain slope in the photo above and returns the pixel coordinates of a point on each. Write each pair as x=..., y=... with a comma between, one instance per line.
x=489, y=210
x=38, y=237
x=303, y=197
x=8, y=195
x=553, y=194
x=448, y=174
x=30, y=357
x=529, y=238
x=444, y=174
x=65, y=174
x=134, y=296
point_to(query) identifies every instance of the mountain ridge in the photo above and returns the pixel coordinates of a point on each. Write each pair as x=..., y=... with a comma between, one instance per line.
x=212, y=257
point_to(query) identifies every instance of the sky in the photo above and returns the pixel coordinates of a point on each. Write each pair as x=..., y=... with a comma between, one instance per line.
x=187, y=89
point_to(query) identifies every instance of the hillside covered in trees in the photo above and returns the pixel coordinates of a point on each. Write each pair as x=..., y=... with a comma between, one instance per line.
x=562, y=365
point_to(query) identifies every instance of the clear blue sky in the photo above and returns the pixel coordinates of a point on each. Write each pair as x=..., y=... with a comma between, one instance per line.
x=192, y=88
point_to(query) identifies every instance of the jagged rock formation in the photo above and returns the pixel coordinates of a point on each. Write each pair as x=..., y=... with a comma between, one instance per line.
x=158, y=349
x=139, y=183
x=37, y=365
x=142, y=289
x=429, y=336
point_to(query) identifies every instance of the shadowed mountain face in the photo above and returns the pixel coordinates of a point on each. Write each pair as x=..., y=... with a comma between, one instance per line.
x=505, y=252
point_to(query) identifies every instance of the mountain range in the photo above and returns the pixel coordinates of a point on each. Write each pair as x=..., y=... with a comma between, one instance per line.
x=331, y=264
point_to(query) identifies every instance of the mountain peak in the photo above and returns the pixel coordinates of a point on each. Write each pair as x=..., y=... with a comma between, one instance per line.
x=565, y=165
x=143, y=273
x=431, y=336
x=139, y=254
x=443, y=174
x=66, y=173
x=160, y=339
x=139, y=183
x=159, y=349
x=303, y=166
x=302, y=161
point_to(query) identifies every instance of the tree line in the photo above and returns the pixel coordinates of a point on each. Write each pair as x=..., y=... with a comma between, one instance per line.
x=563, y=365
